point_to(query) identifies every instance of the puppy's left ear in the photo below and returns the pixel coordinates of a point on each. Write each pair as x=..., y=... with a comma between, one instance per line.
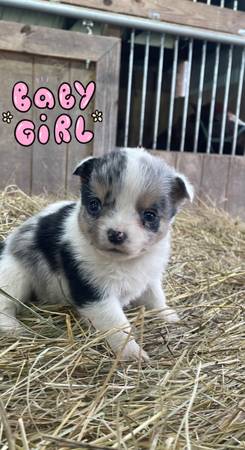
x=181, y=190
x=85, y=168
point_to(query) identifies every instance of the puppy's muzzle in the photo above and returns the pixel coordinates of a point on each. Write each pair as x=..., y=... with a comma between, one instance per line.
x=116, y=237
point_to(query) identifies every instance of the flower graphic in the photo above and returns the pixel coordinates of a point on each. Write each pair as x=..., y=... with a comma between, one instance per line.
x=7, y=117
x=97, y=116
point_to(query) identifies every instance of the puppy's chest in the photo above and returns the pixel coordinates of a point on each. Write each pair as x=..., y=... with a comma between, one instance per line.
x=126, y=283
x=129, y=288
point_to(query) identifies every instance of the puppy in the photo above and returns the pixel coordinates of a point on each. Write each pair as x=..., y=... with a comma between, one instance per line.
x=102, y=252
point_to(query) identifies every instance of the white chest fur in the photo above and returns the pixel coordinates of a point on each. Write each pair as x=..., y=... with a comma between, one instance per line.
x=124, y=279
x=127, y=280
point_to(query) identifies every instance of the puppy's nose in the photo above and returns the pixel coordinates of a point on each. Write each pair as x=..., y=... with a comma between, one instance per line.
x=116, y=237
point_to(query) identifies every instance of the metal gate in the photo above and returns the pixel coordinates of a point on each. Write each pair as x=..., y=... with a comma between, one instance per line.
x=183, y=92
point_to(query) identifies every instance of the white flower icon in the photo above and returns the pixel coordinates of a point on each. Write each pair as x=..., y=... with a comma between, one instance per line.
x=7, y=117
x=97, y=116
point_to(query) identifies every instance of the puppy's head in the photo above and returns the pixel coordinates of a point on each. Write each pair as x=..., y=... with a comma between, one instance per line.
x=128, y=200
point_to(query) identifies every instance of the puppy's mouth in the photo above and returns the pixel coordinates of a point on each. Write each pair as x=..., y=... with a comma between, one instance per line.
x=122, y=253
x=117, y=251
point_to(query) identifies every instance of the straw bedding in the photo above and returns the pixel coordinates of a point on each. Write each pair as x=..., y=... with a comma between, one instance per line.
x=61, y=388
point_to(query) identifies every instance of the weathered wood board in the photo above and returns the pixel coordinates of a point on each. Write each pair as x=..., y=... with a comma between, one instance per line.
x=107, y=78
x=49, y=161
x=215, y=174
x=76, y=152
x=192, y=167
x=43, y=57
x=15, y=161
x=52, y=42
x=236, y=188
x=182, y=12
x=218, y=180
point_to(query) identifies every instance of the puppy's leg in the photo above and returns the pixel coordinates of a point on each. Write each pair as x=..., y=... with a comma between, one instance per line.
x=107, y=315
x=13, y=283
x=154, y=298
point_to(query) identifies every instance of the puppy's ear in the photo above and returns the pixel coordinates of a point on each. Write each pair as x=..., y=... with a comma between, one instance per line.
x=85, y=168
x=181, y=190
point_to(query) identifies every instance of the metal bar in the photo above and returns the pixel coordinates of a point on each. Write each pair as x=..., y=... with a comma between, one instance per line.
x=144, y=87
x=214, y=91
x=159, y=87
x=200, y=95
x=213, y=97
x=238, y=105
x=124, y=20
x=200, y=91
x=129, y=90
x=226, y=98
x=186, y=101
x=172, y=93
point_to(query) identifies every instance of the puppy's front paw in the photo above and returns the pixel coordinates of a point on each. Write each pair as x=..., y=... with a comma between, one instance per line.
x=133, y=352
x=170, y=315
x=11, y=326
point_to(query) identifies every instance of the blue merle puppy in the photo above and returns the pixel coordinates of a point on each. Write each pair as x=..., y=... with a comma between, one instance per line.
x=108, y=249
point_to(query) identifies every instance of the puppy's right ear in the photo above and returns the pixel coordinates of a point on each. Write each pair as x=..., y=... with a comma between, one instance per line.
x=181, y=190
x=85, y=168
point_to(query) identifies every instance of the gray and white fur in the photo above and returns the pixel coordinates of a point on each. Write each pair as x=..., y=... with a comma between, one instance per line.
x=103, y=252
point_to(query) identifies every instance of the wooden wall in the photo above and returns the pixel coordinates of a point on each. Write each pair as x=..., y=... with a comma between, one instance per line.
x=40, y=168
x=217, y=179
x=43, y=57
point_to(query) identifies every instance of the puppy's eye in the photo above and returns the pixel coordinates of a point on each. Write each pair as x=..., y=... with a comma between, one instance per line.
x=94, y=207
x=149, y=216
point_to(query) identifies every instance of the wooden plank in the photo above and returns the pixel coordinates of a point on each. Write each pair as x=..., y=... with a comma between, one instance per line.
x=181, y=12
x=169, y=157
x=49, y=161
x=190, y=164
x=236, y=187
x=77, y=151
x=107, y=94
x=53, y=42
x=214, y=179
x=15, y=160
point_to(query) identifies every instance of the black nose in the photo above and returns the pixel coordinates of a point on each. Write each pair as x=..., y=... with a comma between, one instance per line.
x=116, y=237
